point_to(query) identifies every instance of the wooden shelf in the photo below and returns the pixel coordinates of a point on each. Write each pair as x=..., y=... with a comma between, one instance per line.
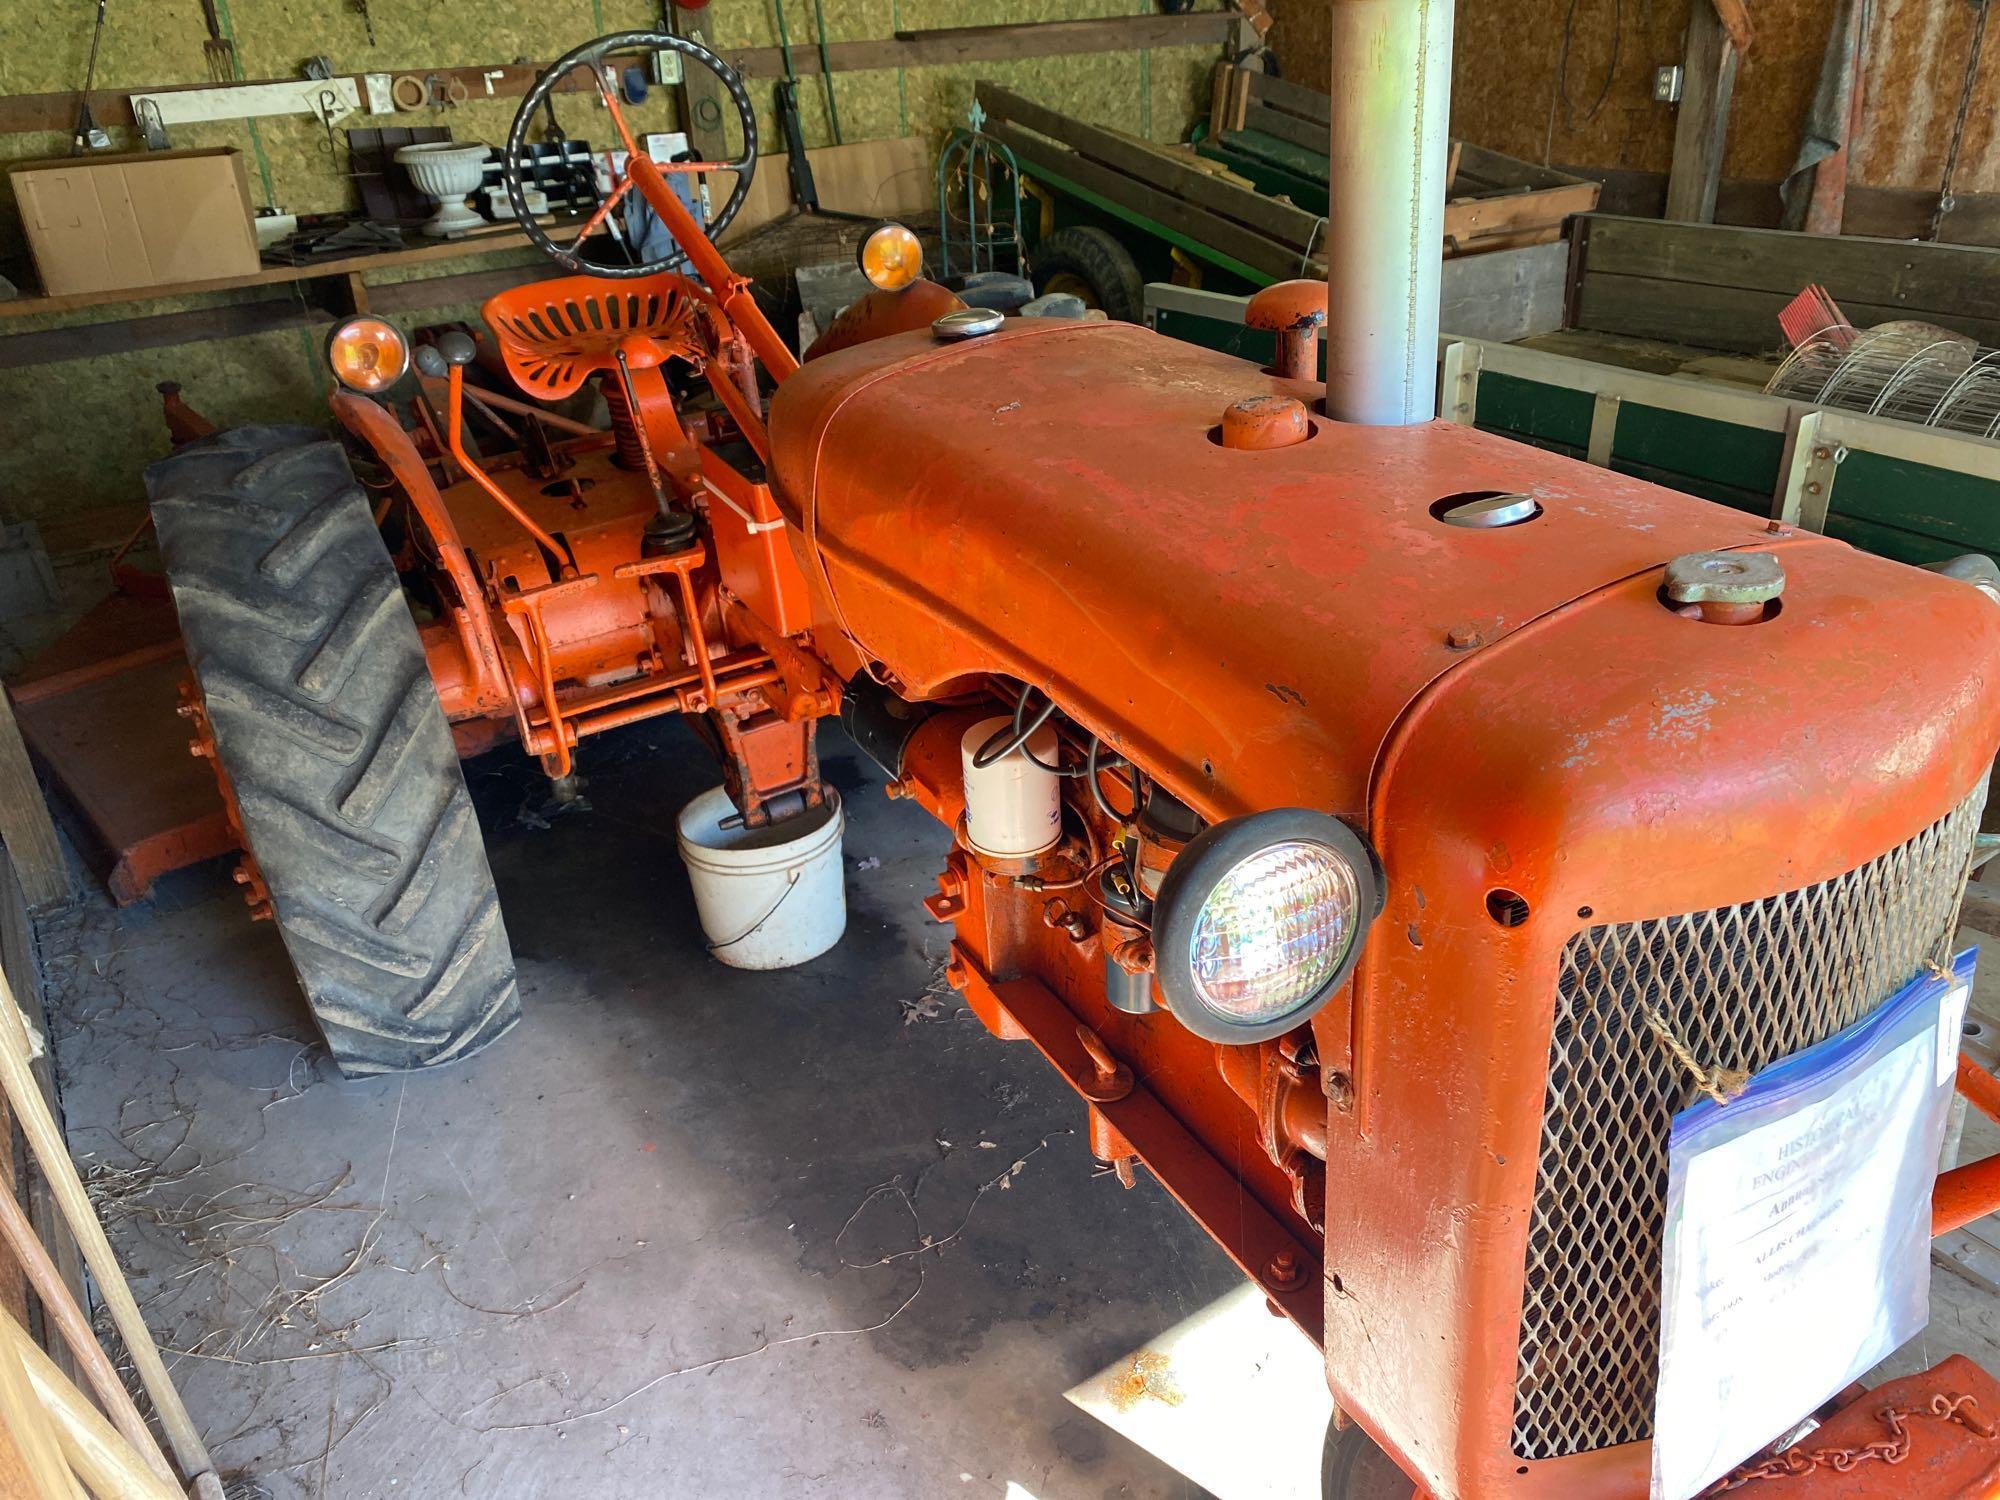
x=481, y=242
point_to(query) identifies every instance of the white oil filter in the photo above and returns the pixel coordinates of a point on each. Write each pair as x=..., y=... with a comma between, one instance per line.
x=1013, y=808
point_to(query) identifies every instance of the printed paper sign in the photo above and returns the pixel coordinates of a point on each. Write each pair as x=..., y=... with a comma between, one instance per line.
x=1797, y=1251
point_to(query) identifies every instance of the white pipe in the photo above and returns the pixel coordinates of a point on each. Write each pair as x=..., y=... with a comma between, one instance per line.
x=1385, y=213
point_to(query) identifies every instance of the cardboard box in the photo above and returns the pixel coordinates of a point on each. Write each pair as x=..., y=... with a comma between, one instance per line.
x=159, y=218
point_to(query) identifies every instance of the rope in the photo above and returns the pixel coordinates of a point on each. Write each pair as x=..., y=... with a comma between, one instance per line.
x=1720, y=1084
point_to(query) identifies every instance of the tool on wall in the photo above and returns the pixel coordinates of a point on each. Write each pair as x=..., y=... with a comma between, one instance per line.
x=805, y=192
x=360, y=8
x=151, y=126
x=89, y=135
x=825, y=65
x=218, y=50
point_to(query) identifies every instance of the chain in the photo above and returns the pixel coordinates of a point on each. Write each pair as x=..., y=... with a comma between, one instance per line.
x=1796, y=1463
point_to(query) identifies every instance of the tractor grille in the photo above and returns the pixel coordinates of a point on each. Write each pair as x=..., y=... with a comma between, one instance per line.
x=1745, y=985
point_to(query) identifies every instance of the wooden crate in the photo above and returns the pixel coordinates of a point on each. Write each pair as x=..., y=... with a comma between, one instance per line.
x=1714, y=286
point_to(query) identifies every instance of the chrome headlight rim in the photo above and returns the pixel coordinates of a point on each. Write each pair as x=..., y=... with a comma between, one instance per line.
x=1201, y=867
x=357, y=322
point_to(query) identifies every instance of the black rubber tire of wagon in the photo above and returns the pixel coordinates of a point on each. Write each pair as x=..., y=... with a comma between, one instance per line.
x=1086, y=254
x=1353, y=1468
x=329, y=731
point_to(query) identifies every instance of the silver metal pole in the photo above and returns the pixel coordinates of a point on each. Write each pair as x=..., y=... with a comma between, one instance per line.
x=1385, y=212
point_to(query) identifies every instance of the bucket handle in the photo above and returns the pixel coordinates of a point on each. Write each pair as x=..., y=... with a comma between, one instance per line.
x=791, y=883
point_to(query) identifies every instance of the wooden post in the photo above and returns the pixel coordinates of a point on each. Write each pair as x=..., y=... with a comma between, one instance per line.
x=69, y=1319
x=93, y=1449
x=45, y=1139
x=1828, y=209
x=705, y=107
x=1702, y=129
x=17, y=965
x=25, y=827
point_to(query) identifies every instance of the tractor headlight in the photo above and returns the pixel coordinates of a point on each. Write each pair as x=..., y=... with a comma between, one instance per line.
x=367, y=355
x=891, y=257
x=1259, y=920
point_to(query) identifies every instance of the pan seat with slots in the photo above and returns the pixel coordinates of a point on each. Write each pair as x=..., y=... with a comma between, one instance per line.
x=555, y=334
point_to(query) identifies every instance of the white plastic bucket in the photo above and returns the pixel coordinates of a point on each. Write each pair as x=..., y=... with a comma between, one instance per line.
x=768, y=897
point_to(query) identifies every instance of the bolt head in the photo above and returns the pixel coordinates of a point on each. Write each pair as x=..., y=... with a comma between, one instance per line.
x=1725, y=578
x=1463, y=637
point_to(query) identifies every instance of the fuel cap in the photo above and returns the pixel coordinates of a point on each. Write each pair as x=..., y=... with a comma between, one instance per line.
x=967, y=323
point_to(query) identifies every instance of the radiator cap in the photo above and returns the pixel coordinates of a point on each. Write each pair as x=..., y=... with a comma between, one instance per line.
x=1725, y=578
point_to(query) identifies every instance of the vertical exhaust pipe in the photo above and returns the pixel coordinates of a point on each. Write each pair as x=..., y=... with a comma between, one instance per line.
x=1385, y=212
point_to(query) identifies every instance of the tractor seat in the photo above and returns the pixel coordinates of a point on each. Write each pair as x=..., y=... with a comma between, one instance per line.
x=555, y=334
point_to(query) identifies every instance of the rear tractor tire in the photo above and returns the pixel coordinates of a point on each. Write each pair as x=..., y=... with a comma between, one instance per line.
x=328, y=733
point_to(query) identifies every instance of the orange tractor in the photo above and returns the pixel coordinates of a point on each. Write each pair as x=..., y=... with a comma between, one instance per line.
x=1379, y=824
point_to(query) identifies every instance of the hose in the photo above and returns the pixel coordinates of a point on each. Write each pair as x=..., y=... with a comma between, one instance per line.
x=1004, y=742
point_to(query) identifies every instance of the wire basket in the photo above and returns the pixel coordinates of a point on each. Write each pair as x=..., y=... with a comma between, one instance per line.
x=1912, y=372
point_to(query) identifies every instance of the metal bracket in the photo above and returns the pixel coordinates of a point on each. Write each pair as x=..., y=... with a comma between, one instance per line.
x=1458, y=392
x=1603, y=428
x=1805, y=491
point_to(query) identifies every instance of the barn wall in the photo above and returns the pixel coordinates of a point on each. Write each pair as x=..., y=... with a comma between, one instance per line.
x=1512, y=92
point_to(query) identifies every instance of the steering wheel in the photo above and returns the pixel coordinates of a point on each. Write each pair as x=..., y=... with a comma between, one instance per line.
x=593, y=55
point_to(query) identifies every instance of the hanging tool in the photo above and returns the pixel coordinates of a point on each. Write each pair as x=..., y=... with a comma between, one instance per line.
x=89, y=135
x=327, y=106
x=360, y=8
x=555, y=133
x=805, y=194
x=151, y=126
x=826, y=72
x=218, y=50
x=788, y=91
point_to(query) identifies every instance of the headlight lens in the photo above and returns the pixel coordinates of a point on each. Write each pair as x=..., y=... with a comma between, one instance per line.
x=1274, y=931
x=367, y=355
x=1260, y=920
x=891, y=257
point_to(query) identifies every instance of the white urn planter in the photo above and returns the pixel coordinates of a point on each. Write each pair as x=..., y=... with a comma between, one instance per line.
x=448, y=171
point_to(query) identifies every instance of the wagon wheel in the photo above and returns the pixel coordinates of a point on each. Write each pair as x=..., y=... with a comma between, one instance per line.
x=328, y=738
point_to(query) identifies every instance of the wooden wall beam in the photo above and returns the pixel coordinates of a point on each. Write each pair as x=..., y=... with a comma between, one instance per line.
x=1702, y=127
x=57, y=112
x=25, y=826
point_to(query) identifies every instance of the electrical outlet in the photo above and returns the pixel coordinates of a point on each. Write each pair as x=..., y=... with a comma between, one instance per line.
x=1667, y=84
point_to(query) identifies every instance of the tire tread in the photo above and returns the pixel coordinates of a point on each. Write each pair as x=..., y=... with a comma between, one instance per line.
x=331, y=736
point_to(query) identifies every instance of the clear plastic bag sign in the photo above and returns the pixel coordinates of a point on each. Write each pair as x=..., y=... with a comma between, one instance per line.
x=1797, y=1249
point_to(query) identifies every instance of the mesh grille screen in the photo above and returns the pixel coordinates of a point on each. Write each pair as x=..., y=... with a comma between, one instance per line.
x=1745, y=985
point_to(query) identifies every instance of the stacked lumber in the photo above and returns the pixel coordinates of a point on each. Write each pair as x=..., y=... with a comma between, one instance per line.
x=1174, y=188
x=1274, y=133
x=1254, y=192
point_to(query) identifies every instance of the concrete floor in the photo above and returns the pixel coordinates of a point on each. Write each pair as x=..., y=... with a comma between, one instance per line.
x=687, y=1231
x=667, y=1238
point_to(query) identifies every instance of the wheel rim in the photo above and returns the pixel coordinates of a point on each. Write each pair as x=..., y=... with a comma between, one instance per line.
x=1068, y=283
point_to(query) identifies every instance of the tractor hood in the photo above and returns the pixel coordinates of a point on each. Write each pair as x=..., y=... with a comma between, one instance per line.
x=1050, y=502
